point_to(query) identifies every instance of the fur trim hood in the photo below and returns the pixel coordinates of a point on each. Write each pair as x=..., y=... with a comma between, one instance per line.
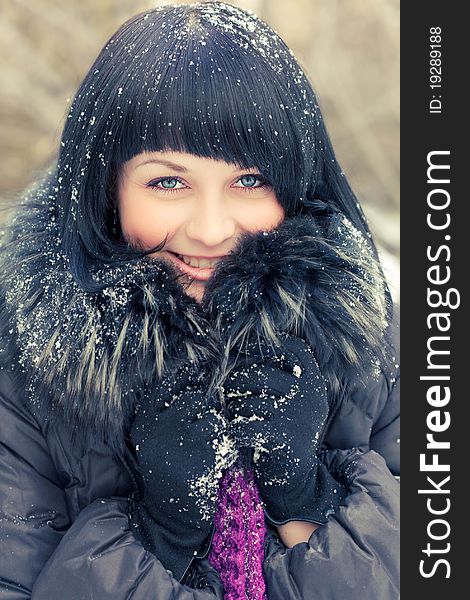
x=89, y=356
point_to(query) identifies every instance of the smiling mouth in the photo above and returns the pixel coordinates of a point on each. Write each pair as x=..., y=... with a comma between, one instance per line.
x=198, y=261
x=199, y=268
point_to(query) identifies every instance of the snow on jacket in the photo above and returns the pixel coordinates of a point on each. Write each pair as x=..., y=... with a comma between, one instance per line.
x=75, y=362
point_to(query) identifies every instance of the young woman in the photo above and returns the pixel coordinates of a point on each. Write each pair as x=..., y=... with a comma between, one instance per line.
x=198, y=388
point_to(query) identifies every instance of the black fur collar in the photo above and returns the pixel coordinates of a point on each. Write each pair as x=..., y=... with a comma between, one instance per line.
x=88, y=356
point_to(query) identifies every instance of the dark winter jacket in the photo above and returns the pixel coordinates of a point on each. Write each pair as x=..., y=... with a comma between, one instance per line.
x=75, y=363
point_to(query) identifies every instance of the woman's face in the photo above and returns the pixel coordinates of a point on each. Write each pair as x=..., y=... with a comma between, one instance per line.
x=203, y=205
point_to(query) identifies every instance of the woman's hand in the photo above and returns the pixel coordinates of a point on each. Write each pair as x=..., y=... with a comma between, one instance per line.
x=277, y=405
x=182, y=446
x=296, y=532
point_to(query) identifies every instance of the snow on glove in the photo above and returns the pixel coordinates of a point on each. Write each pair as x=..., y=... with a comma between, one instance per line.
x=277, y=405
x=182, y=448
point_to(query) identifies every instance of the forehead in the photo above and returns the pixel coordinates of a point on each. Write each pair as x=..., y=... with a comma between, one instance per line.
x=182, y=162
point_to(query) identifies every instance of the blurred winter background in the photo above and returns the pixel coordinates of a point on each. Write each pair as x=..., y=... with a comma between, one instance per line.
x=350, y=49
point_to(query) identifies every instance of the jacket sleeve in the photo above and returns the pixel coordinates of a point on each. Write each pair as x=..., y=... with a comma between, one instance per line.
x=99, y=558
x=356, y=554
x=33, y=511
x=385, y=435
x=45, y=556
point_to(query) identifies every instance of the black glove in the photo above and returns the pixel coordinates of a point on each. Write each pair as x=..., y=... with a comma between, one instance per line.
x=277, y=403
x=182, y=448
x=202, y=575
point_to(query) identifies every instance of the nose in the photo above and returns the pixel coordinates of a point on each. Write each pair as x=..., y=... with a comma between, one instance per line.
x=211, y=224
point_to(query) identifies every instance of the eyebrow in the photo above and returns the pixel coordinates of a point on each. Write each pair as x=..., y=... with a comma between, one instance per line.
x=165, y=163
x=177, y=167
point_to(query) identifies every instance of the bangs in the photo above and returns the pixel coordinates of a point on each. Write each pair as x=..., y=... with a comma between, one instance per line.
x=216, y=106
x=211, y=92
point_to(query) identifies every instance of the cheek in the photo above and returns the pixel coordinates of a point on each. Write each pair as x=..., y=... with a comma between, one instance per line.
x=265, y=215
x=145, y=222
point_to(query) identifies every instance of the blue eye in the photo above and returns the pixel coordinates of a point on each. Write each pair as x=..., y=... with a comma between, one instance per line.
x=251, y=182
x=167, y=184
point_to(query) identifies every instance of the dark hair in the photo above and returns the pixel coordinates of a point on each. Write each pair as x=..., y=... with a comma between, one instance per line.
x=209, y=79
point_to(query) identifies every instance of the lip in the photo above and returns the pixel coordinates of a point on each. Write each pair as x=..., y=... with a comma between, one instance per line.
x=194, y=272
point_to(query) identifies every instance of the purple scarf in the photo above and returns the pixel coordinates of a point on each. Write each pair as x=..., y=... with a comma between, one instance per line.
x=237, y=551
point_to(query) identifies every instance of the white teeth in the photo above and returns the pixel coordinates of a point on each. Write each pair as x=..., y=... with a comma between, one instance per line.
x=201, y=263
